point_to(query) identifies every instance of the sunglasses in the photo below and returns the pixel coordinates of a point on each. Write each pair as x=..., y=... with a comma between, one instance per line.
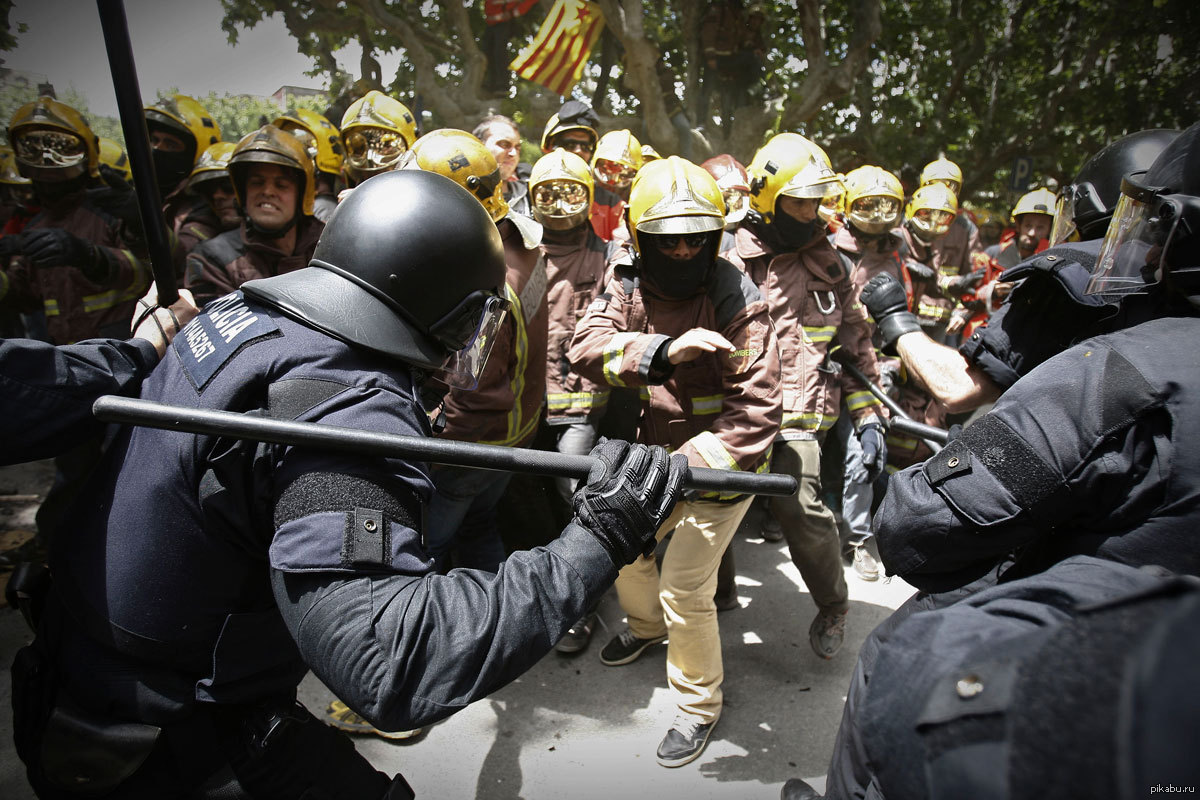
x=669, y=241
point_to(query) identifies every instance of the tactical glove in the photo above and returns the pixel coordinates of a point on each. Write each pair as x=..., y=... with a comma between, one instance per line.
x=919, y=271
x=630, y=492
x=874, y=449
x=887, y=304
x=54, y=247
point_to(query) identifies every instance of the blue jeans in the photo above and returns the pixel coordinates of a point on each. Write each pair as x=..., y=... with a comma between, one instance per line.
x=462, y=517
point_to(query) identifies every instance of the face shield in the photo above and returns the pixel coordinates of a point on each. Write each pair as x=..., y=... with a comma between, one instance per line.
x=373, y=149
x=613, y=173
x=737, y=203
x=874, y=215
x=1073, y=201
x=1143, y=226
x=49, y=148
x=931, y=223
x=949, y=183
x=560, y=204
x=831, y=207
x=469, y=331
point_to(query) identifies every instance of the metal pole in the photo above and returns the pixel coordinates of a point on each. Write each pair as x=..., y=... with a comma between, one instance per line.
x=934, y=444
x=129, y=411
x=137, y=145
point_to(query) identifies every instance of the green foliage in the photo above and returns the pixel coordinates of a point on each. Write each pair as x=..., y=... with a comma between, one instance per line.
x=13, y=95
x=239, y=114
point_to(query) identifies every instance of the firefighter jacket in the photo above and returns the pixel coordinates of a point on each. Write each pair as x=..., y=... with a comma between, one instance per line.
x=76, y=307
x=575, y=275
x=813, y=305
x=190, y=221
x=506, y=406
x=223, y=263
x=885, y=254
x=721, y=410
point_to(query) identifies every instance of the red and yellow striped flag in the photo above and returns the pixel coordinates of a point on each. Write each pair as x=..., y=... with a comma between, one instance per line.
x=556, y=56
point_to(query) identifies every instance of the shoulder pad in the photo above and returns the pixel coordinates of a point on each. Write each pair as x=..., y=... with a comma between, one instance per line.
x=1052, y=260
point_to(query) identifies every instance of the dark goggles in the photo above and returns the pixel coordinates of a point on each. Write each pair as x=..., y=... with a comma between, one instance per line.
x=669, y=241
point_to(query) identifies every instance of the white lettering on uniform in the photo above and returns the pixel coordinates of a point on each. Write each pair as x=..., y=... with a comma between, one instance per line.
x=201, y=346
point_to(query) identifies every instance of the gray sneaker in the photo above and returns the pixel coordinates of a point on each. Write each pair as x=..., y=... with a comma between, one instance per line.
x=865, y=564
x=624, y=648
x=827, y=632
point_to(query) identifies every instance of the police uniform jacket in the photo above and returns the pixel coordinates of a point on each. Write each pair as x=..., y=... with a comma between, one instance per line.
x=77, y=307
x=813, y=304
x=46, y=392
x=1046, y=312
x=222, y=264
x=575, y=275
x=1093, y=452
x=506, y=406
x=203, y=569
x=721, y=410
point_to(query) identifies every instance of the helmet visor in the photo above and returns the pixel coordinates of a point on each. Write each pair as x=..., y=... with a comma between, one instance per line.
x=874, y=215
x=613, y=173
x=831, y=206
x=949, y=183
x=484, y=314
x=1139, y=235
x=798, y=187
x=932, y=222
x=373, y=148
x=560, y=198
x=737, y=203
x=1073, y=202
x=50, y=148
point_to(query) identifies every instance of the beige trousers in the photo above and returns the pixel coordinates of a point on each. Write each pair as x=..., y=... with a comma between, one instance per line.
x=679, y=602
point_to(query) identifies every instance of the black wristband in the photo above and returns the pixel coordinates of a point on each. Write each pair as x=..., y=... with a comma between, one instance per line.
x=895, y=325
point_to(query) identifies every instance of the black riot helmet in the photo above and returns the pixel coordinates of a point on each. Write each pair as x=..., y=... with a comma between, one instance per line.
x=1085, y=207
x=409, y=266
x=1154, y=236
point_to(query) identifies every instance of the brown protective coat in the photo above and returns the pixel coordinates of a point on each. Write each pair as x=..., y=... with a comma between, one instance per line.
x=506, y=406
x=813, y=302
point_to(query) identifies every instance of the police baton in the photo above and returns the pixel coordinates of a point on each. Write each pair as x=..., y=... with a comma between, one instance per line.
x=137, y=146
x=934, y=438
x=145, y=413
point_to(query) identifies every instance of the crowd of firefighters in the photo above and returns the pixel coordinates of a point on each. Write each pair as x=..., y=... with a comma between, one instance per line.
x=752, y=273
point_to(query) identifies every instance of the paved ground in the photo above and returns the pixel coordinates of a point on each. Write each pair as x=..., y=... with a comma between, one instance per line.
x=572, y=727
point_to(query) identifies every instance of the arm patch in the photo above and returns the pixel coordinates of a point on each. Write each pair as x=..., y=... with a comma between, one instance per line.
x=1015, y=464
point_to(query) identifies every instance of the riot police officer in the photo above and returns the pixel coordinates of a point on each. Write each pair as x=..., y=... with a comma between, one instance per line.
x=243, y=565
x=1092, y=453
x=1048, y=310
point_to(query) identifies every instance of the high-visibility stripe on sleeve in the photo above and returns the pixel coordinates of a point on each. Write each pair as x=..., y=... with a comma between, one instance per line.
x=614, y=355
x=817, y=334
x=710, y=404
x=808, y=421
x=856, y=401
x=713, y=452
x=560, y=401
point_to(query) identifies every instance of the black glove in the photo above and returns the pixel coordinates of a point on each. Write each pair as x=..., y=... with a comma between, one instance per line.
x=10, y=245
x=919, y=271
x=630, y=492
x=887, y=304
x=54, y=247
x=874, y=449
x=961, y=284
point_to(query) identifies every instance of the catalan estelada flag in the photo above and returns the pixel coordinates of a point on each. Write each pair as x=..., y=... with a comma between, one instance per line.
x=556, y=56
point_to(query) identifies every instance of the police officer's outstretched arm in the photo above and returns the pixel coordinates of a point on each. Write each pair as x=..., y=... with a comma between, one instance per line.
x=406, y=650
x=1071, y=449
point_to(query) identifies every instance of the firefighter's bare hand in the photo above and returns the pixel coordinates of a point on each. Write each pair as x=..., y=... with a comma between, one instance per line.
x=695, y=342
x=159, y=325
